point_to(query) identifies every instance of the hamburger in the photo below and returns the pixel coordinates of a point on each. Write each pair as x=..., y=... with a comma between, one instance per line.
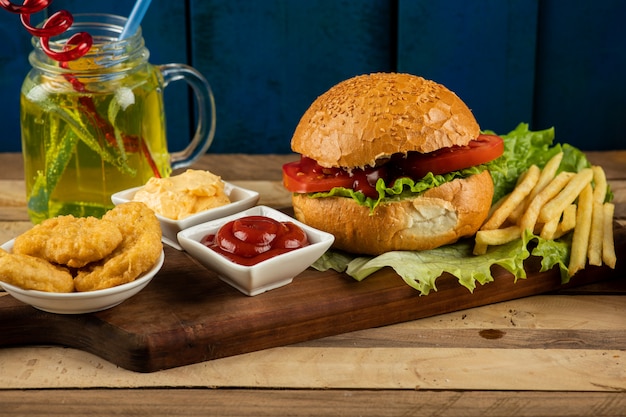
x=390, y=162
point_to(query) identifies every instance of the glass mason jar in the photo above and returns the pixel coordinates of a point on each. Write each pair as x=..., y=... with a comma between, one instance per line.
x=95, y=126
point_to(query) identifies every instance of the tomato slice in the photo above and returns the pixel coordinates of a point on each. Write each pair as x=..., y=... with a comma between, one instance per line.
x=483, y=149
x=307, y=176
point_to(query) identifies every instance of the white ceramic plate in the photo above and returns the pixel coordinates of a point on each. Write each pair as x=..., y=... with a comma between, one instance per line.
x=81, y=302
x=264, y=276
x=241, y=199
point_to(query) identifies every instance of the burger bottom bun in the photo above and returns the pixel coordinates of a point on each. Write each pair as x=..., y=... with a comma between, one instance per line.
x=440, y=216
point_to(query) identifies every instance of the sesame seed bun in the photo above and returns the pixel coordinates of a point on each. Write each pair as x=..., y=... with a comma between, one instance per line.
x=370, y=117
x=362, y=122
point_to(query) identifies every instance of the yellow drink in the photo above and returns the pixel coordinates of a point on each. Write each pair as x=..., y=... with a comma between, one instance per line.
x=95, y=126
x=75, y=159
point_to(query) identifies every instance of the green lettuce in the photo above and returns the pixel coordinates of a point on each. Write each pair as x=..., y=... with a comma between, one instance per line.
x=401, y=188
x=523, y=148
x=420, y=269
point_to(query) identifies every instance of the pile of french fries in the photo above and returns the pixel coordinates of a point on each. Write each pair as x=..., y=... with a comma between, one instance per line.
x=551, y=205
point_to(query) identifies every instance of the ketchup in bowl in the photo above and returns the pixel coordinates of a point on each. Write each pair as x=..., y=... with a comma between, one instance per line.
x=253, y=239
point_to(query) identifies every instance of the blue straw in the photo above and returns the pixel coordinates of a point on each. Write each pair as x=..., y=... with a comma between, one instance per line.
x=134, y=20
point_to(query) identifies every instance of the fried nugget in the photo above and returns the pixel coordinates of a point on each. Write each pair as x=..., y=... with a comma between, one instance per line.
x=140, y=249
x=69, y=240
x=32, y=273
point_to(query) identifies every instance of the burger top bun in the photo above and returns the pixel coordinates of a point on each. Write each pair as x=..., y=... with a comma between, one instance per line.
x=370, y=117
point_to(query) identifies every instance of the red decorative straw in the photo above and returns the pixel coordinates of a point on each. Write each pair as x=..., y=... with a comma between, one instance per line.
x=75, y=47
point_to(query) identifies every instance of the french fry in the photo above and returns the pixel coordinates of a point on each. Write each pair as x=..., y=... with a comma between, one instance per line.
x=498, y=236
x=517, y=212
x=594, y=250
x=480, y=248
x=551, y=205
x=568, y=221
x=485, y=238
x=523, y=188
x=549, y=229
x=567, y=195
x=608, y=244
x=599, y=182
x=569, y=217
x=497, y=205
x=580, y=240
x=547, y=174
x=555, y=186
x=597, y=222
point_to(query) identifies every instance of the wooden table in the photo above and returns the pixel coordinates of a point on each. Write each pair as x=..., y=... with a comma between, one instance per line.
x=564, y=354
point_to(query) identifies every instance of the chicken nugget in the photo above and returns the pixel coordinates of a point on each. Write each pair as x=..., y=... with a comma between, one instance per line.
x=71, y=241
x=140, y=249
x=32, y=273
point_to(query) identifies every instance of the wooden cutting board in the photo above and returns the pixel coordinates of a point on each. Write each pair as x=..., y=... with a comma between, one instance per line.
x=188, y=315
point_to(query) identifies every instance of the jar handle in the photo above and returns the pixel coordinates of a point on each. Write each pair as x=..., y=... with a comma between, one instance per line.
x=205, y=129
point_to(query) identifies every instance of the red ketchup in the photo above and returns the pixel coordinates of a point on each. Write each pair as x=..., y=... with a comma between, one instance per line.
x=253, y=239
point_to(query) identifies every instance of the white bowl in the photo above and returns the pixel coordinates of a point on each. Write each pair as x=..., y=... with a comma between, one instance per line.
x=240, y=198
x=81, y=302
x=266, y=275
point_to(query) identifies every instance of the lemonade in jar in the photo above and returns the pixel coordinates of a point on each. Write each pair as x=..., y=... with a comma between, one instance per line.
x=96, y=125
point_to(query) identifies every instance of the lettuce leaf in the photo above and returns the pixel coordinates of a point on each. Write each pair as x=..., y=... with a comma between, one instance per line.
x=420, y=269
x=553, y=253
x=523, y=148
x=401, y=188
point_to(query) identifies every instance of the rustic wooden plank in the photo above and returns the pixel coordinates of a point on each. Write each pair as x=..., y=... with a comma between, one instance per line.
x=619, y=191
x=245, y=167
x=277, y=56
x=12, y=229
x=361, y=353
x=271, y=193
x=269, y=60
x=613, y=162
x=580, y=65
x=12, y=166
x=235, y=402
x=484, y=51
x=617, y=286
x=14, y=58
x=526, y=315
x=201, y=318
x=588, y=312
x=13, y=193
x=338, y=367
x=488, y=338
x=14, y=214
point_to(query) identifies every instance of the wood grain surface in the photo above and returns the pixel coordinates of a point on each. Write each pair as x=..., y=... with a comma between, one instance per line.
x=299, y=403
x=188, y=315
x=556, y=354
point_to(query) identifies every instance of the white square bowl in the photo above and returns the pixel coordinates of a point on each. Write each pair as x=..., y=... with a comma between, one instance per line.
x=266, y=275
x=240, y=199
x=81, y=302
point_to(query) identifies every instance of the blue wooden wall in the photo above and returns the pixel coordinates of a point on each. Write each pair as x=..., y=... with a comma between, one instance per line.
x=550, y=63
